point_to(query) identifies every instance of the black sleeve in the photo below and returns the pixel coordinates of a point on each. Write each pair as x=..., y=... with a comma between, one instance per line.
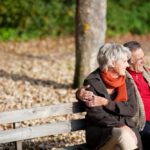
x=98, y=115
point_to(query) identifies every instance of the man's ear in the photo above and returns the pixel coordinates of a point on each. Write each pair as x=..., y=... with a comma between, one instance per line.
x=130, y=61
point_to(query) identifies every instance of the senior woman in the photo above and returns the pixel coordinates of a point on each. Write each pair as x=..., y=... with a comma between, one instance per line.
x=110, y=102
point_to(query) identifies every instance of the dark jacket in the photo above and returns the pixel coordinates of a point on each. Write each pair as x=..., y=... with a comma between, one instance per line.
x=101, y=120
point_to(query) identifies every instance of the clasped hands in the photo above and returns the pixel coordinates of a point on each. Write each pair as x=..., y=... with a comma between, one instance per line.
x=90, y=99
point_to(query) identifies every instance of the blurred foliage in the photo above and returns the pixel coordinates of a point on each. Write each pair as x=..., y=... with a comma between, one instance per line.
x=25, y=19
x=128, y=16
x=35, y=18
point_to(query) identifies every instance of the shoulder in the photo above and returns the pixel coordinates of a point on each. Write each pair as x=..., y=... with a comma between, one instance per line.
x=130, y=83
x=147, y=69
x=94, y=74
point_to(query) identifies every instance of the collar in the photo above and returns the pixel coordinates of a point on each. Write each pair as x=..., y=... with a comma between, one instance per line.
x=98, y=84
x=134, y=72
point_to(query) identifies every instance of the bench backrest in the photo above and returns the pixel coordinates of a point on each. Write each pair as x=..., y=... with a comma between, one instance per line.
x=19, y=134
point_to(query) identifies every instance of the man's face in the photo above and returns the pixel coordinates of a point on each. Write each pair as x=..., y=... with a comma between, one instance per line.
x=137, y=60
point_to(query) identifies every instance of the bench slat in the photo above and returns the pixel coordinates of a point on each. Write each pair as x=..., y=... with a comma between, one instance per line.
x=40, y=112
x=41, y=130
x=75, y=147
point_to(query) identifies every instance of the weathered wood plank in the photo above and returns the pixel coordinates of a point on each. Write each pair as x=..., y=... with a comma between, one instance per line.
x=74, y=147
x=41, y=130
x=40, y=112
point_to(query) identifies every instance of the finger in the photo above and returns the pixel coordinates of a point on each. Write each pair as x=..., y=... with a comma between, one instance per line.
x=89, y=103
x=88, y=93
x=88, y=98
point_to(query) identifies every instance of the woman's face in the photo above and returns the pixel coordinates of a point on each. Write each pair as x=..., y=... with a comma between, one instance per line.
x=120, y=66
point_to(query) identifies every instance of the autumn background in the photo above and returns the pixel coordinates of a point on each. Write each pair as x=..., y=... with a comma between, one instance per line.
x=37, y=54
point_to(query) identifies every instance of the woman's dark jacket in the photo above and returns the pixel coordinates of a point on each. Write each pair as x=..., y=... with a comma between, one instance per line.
x=101, y=119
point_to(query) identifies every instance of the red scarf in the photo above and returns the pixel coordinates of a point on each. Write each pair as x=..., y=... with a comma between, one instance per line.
x=116, y=83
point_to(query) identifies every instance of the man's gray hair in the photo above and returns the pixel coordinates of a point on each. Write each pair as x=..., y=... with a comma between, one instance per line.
x=111, y=52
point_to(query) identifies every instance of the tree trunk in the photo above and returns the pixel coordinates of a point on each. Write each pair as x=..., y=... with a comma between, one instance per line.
x=90, y=35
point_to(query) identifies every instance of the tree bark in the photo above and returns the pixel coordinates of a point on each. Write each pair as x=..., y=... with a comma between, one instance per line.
x=90, y=35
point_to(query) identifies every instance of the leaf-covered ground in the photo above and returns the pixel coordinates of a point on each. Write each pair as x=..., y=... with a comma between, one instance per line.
x=40, y=73
x=37, y=73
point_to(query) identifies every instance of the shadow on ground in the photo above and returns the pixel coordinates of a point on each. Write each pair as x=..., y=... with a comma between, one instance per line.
x=33, y=81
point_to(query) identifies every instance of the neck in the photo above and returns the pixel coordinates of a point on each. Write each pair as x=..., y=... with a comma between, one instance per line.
x=110, y=90
x=113, y=73
x=132, y=68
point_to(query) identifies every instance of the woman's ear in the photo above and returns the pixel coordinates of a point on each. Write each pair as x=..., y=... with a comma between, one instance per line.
x=113, y=64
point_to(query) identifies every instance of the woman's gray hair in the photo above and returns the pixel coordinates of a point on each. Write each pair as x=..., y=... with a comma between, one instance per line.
x=111, y=52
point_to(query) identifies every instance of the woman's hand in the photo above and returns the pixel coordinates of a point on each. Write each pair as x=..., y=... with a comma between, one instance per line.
x=83, y=94
x=89, y=98
x=96, y=101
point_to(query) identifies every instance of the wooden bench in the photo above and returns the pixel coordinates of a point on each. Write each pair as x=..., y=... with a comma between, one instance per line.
x=19, y=134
